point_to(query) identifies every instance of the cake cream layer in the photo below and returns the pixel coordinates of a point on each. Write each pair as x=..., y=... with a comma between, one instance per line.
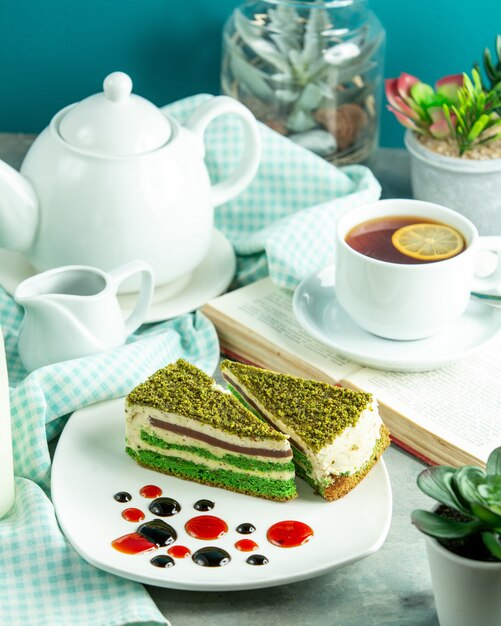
x=186, y=432
x=345, y=455
x=212, y=464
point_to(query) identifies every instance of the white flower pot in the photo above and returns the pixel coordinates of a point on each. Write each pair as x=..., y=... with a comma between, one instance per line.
x=467, y=592
x=473, y=188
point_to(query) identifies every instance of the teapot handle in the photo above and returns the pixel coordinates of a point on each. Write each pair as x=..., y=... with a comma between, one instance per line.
x=251, y=153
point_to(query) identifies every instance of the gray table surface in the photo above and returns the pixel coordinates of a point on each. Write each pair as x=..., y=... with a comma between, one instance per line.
x=390, y=587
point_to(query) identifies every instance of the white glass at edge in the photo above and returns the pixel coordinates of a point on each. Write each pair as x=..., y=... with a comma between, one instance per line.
x=6, y=462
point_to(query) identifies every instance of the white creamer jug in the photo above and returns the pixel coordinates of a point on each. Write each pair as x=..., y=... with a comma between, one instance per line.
x=73, y=311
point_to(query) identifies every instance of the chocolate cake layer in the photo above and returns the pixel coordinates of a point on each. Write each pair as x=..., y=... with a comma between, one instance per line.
x=225, y=445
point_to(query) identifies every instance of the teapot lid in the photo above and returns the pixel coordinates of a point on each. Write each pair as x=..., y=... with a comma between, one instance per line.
x=115, y=122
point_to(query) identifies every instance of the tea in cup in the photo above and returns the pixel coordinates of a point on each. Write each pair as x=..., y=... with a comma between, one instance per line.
x=405, y=269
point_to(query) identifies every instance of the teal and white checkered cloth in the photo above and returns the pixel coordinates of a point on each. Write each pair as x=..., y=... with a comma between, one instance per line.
x=283, y=224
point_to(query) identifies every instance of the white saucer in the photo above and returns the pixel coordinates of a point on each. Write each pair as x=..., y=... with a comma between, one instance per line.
x=91, y=465
x=211, y=278
x=319, y=313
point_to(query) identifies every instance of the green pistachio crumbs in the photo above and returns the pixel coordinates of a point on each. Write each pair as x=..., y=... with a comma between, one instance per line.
x=184, y=389
x=316, y=411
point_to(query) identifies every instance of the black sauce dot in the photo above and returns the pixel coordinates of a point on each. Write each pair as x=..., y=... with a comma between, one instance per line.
x=162, y=560
x=165, y=507
x=211, y=557
x=122, y=496
x=204, y=505
x=257, y=559
x=246, y=528
x=158, y=532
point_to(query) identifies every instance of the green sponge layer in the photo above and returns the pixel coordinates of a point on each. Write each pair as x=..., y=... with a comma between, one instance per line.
x=300, y=457
x=235, y=481
x=237, y=460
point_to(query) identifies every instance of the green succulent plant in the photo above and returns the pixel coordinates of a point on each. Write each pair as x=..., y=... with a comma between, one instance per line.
x=473, y=120
x=458, y=109
x=492, y=68
x=285, y=59
x=419, y=106
x=294, y=57
x=472, y=492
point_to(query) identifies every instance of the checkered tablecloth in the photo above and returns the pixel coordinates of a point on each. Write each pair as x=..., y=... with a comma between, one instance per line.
x=283, y=224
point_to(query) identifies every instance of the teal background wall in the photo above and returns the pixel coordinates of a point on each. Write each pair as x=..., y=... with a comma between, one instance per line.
x=54, y=52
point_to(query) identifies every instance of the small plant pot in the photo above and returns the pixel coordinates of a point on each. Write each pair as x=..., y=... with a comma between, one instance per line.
x=467, y=592
x=472, y=188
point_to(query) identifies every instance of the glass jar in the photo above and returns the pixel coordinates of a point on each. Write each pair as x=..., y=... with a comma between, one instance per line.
x=309, y=69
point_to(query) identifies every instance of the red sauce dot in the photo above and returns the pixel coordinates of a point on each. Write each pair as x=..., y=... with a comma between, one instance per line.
x=132, y=515
x=289, y=534
x=133, y=543
x=206, y=527
x=179, y=552
x=246, y=545
x=150, y=491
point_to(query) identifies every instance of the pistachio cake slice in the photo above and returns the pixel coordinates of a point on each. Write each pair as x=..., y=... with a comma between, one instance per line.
x=336, y=434
x=180, y=422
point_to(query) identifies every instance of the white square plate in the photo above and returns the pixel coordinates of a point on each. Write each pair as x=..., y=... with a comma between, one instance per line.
x=91, y=465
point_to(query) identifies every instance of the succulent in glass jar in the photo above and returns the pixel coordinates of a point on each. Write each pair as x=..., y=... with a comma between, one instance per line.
x=311, y=70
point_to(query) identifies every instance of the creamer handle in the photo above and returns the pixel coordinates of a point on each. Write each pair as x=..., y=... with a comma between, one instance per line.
x=145, y=295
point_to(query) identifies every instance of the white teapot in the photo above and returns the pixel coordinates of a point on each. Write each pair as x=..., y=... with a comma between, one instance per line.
x=113, y=178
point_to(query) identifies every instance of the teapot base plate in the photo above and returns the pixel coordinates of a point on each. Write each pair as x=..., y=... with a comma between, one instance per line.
x=210, y=279
x=171, y=289
x=162, y=292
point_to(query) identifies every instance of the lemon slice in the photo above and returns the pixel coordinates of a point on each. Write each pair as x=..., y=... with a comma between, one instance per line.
x=428, y=242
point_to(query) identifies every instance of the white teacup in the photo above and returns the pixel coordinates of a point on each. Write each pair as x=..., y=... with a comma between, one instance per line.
x=400, y=301
x=73, y=311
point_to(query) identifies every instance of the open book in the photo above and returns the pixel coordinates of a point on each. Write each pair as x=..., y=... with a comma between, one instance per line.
x=448, y=416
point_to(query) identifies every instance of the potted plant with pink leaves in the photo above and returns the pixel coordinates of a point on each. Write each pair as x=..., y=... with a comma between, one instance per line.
x=454, y=139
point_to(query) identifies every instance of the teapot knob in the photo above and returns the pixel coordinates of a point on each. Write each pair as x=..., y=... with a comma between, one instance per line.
x=117, y=86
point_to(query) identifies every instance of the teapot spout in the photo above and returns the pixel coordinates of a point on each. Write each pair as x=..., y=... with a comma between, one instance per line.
x=18, y=210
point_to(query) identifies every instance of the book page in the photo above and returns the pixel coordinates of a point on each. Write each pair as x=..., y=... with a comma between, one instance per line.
x=460, y=403
x=266, y=310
